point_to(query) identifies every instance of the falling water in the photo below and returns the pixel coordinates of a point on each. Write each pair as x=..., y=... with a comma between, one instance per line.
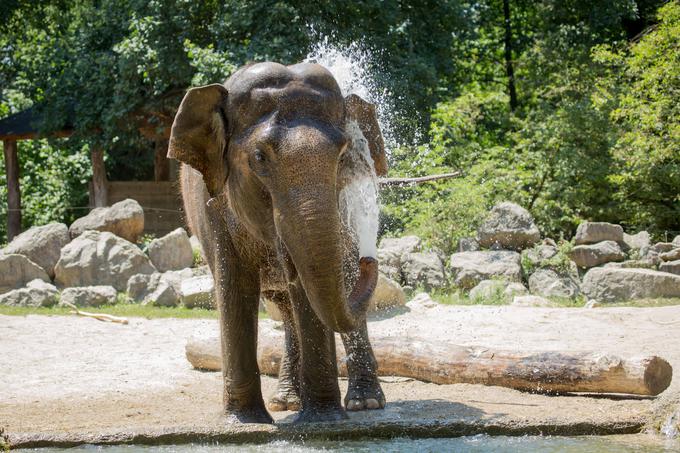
x=359, y=199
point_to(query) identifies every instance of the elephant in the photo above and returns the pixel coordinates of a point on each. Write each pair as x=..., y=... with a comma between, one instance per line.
x=264, y=159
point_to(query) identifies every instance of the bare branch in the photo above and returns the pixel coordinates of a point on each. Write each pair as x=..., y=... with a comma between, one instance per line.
x=418, y=180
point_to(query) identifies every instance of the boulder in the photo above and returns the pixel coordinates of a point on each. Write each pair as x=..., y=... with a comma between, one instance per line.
x=271, y=308
x=197, y=292
x=662, y=247
x=89, y=296
x=487, y=290
x=676, y=241
x=421, y=302
x=163, y=295
x=124, y=219
x=643, y=264
x=548, y=283
x=390, y=252
x=531, y=301
x=470, y=268
x=17, y=270
x=536, y=256
x=592, y=303
x=171, y=252
x=672, y=267
x=637, y=241
x=509, y=226
x=468, y=245
x=671, y=255
x=38, y=293
x=41, y=244
x=612, y=285
x=594, y=232
x=141, y=285
x=175, y=278
x=388, y=293
x=587, y=256
x=100, y=258
x=423, y=269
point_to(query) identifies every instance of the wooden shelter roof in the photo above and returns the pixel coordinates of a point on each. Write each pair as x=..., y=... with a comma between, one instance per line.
x=24, y=125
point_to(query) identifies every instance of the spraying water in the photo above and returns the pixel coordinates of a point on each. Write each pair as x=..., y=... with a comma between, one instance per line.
x=359, y=198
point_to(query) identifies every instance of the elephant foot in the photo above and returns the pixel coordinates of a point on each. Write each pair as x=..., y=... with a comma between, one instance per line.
x=364, y=395
x=284, y=401
x=248, y=415
x=326, y=414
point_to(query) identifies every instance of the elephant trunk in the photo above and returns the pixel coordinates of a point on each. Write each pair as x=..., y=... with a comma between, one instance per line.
x=311, y=233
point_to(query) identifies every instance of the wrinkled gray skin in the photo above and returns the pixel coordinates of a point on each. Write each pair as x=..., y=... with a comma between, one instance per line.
x=264, y=162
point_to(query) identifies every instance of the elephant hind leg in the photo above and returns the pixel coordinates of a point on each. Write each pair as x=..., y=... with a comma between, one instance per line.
x=287, y=397
x=363, y=389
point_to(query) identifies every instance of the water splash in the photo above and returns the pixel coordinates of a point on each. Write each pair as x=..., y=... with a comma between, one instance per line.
x=359, y=198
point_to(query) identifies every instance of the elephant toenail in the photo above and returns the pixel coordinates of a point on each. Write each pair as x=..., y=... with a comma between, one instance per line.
x=372, y=403
x=355, y=405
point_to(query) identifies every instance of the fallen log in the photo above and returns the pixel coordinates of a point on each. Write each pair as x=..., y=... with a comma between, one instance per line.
x=441, y=363
x=417, y=180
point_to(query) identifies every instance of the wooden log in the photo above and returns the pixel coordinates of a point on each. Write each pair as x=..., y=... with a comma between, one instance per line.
x=13, y=189
x=441, y=363
x=99, y=195
x=416, y=180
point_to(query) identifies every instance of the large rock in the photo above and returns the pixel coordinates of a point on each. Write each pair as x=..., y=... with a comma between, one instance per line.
x=537, y=256
x=100, y=258
x=492, y=290
x=163, y=295
x=470, y=268
x=89, y=296
x=197, y=292
x=468, y=245
x=676, y=241
x=670, y=255
x=387, y=294
x=593, y=232
x=423, y=269
x=548, y=283
x=38, y=293
x=171, y=252
x=672, y=267
x=662, y=247
x=637, y=241
x=612, y=285
x=124, y=219
x=139, y=286
x=531, y=301
x=17, y=270
x=391, y=251
x=587, y=256
x=509, y=226
x=41, y=244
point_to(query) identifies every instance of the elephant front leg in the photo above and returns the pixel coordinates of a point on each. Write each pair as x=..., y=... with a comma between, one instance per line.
x=363, y=390
x=287, y=395
x=238, y=298
x=319, y=391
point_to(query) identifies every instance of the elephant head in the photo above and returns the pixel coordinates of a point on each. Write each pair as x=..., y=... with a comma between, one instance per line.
x=271, y=142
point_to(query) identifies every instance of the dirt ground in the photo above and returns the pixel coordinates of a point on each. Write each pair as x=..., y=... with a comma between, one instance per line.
x=68, y=380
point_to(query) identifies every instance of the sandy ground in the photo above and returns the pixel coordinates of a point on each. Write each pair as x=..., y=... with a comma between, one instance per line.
x=67, y=380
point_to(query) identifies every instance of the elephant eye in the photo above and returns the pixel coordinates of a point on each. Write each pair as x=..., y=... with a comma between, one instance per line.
x=259, y=156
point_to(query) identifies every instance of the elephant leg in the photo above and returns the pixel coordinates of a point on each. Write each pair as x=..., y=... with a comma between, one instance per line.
x=288, y=392
x=363, y=390
x=319, y=391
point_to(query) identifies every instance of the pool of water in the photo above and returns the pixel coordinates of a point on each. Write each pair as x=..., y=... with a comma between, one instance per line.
x=471, y=444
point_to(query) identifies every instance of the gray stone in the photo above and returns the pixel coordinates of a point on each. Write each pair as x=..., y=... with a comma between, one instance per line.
x=468, y=245
x=494, y=289
x=17, y=270
x=175, y=278
x=637, y=241
x=671, y=255
x=548, y=283
x=387, y=294
x=390, y=252
x=662, y=247
x=124, y=219
x=89, y=296
x=676, y=241
x=672, y=267
x=531, y=301
x=38, y=293
x=592, y=303
x=100, y=258
x=164, y=295
x=594, y=232
x=41, y=244
x=421, y=302
x=613, y=285
x=587, y=256
x=141, y=285
x=629, y=264
x=470, y=268
x=171, y=252
x=509, y=226
x=197, y=292
x=538, y=255
x=423, y=269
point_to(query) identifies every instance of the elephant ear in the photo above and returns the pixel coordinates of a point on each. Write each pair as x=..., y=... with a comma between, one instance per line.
x=364, y=114
x=199, y=134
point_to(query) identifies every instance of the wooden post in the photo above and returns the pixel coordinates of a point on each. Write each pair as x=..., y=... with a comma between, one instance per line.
x=99, y=195
x=13, y=189
x=161, y=164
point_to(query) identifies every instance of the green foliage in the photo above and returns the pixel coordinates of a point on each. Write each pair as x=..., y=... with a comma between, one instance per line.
x=197, y=258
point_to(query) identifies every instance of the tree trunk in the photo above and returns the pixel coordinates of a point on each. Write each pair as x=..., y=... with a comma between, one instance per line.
x=508, y=55
x=442, y=363
x=13, y=189
x=161, y=164
x=99, y=195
